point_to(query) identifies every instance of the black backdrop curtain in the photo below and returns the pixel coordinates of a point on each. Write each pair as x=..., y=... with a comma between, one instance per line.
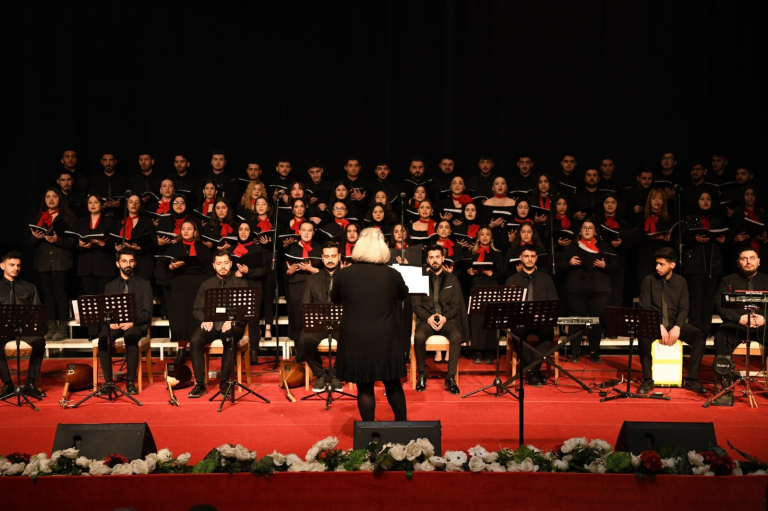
x=369, y=79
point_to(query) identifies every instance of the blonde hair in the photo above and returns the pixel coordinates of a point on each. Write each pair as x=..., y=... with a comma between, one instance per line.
x=245, y=200
x=371, y=247
x=657, y=192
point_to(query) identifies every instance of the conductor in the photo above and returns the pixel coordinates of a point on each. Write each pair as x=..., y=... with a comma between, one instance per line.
x=369, y=348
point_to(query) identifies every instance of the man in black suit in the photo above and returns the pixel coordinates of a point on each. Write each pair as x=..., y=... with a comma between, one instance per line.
x=437, y=314
x=540, y=287
x=667, y=292
x=146, y=180
x=13, y=290
x=318, y=290
x=131, y=333
x=209, y=331
x=110, y=185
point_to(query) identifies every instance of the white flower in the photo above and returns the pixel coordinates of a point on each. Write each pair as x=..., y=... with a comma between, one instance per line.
x=316, y=467
x=32, y=468
x=668, y=462
x=12, y=469
x=98, y=468
x=527, y=465
x=45, y=466
x=437, y=461
x=183, y=459
x=490, y=457
x=55, y=457
x=226, y=450
x=573, y=443
x=327, y=444
x=601, y=446
x=139, y=467
x=452, y=467
x=243, y=454
x=476, y=464
x=561, y=465
x=636, y=461
x=83, y=462
x=164, y=456
x=413, y=450
x=4, y=465
x=455, y=457
x=292, y=458
x=426, y=446
x=70, y=453
x=307, y=466
x=477, y=450
x=694, y=459
x=496, y=467
x=366, y=466
x=340, y=468
x=700, y=470
x=534, y=449
x=758, y=473
x=397, y=452
x=123, y=469
x=597, y=466
x=277, y=458
x=737, y=472
x=151, y=461
x=424, y=467
x=312, y=453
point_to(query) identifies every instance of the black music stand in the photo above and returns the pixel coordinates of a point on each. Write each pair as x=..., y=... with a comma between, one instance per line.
x=104, y=310
x=480, y=297
x=232, y=304
x=324, y=318
x=635, y=324
x=17, y=320
x=750, y=307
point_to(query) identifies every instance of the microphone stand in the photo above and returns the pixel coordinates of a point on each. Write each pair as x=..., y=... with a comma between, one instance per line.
x=403, y=320
x=276, y=299
x=552, y=236
x=679, y=229
x=125, y=216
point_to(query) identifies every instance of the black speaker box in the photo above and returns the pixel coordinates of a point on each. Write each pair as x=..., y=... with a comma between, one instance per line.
x=402, y=432
x=636, y=437
x=97, y=441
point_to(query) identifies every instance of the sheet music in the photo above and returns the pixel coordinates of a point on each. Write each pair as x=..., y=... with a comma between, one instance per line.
x=417, y=283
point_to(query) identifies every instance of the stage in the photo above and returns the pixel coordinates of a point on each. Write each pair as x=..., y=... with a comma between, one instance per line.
x=552, y=414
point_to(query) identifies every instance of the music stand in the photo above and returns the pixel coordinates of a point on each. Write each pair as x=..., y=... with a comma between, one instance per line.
x=635, y=324
x=479, y=299
x=747, y=378
x=324, y=318
x=232, y=304
x=17, y=320
x=104, y=310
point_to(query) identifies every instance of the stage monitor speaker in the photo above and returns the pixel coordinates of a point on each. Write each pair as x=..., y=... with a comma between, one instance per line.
x=399, y=432
x=636, y=437
x=97, y=441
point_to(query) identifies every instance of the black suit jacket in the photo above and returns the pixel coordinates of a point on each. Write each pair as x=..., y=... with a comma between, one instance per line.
x=543, y=285
x=449, y=299
x=230, y=282
x=677, y=295
x=316, y=289
x=143, y=291
x=26, y=293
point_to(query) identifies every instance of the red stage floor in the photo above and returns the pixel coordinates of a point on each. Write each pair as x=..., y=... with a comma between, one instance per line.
x=552, y=414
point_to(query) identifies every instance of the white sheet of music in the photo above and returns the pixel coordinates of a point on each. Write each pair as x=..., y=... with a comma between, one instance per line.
x=417, y=283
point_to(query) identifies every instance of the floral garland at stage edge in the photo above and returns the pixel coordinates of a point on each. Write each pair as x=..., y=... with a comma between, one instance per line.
x=573, y=455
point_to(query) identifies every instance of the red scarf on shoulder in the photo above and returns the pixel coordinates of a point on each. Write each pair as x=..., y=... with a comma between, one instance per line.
x=481, y=251
x=191, y=246
x=46, y=218
x=650, y=223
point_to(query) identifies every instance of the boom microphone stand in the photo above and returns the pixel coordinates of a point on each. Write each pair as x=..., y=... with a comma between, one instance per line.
x=17, y=319
x=276, y=298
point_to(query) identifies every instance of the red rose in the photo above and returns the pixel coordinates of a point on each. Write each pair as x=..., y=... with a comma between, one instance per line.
x=651, y=461
x=18, y=457
x=115, y=459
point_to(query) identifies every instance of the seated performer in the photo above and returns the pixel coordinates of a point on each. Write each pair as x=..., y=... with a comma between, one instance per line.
x=127, y=282
x=13, y=290
x=733, y=331
x=540, y=287
x=438, y=317
x=208, y=331
x=668, y=292
x=317, y=290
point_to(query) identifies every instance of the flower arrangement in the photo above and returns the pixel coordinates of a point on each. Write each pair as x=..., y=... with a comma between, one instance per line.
x=573, y=455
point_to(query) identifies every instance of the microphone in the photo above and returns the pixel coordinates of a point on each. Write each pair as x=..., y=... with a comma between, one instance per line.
x=402, y=195
x=280, y=192
x=128, y=193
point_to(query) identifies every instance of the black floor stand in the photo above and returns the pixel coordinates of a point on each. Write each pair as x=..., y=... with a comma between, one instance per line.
x=18, y=320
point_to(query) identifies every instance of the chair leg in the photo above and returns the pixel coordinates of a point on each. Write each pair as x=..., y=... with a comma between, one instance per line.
x=557, y=371
x=207, y=362
x=248, y=365
x=149, y=366
x=141, y=373
x=413, y=367
x=508, y=356
x=306, y=376
x=239, y=371
x=95, y=368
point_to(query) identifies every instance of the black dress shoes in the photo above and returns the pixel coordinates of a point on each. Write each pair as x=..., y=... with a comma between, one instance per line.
x=646, y=387
x=694, y=386
x=130, y=388
x=197, y=391
x=450, y=386
x=421, y=383
x=31, y=390
x=536, y=380
x=7, y=390
x=595, y=358
x=477, y=358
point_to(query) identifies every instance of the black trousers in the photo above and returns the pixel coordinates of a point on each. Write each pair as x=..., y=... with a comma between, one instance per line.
x=268, y=287
x=546, y=336
x=198, y=341
x=93, y=285
x=730, y=335
x=449, y=330
x=295, y=320
x=306, y=351
x=691, y=336
x=54, y=286
x=701, y=300
x=132, y=336
x=588, y=302
x=35, y=359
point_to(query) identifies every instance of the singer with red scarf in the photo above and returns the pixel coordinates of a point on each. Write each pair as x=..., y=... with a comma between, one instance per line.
x=219, y=225
x=565, y=227
x=587, y=290
x=653, y=232
x=132, y=227
x=298, y=210
x=53, y=259
x=620, y=235
x=252, y=273
x=748, y=210
x=351, y=235
x=424, y=225
x=335, y=229
x=209, y=199
x=450, y=207
x=168, y=230
x=264, y=233
x=96, y=259
x=185, y=281
x=163, y=206
x=486, y=270
x=302, y=259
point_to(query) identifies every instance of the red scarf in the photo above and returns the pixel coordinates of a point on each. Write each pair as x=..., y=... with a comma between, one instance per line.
x=226, y=229
x=590, y=244
x=472, y=230
x=46, y=218
x=191, y=246
x=448, y=246
x=163, y=207
x=565, y=223
x=127, y=227
x=430, y=226
x=650, y=223
x=748, y=213
x=481, y=251
x=348, y=250
x=461, y=199
x=177, y=227
x=415, y=204
x=544, y=204
x=611, y=222
x=242, y=248
x=524, y=220
x=343, y=222
x=296, y=224
x=264, y=225
x=307, y=248
x=98, y=219
x=502, y=196
x=207, y=204
x=705, y=223
x=398, y=247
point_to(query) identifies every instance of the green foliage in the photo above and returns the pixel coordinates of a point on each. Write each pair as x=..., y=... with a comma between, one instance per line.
x=263, y=467
x=355, y=459
x=618, y=462
x=670, y=451
x=209, y=464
